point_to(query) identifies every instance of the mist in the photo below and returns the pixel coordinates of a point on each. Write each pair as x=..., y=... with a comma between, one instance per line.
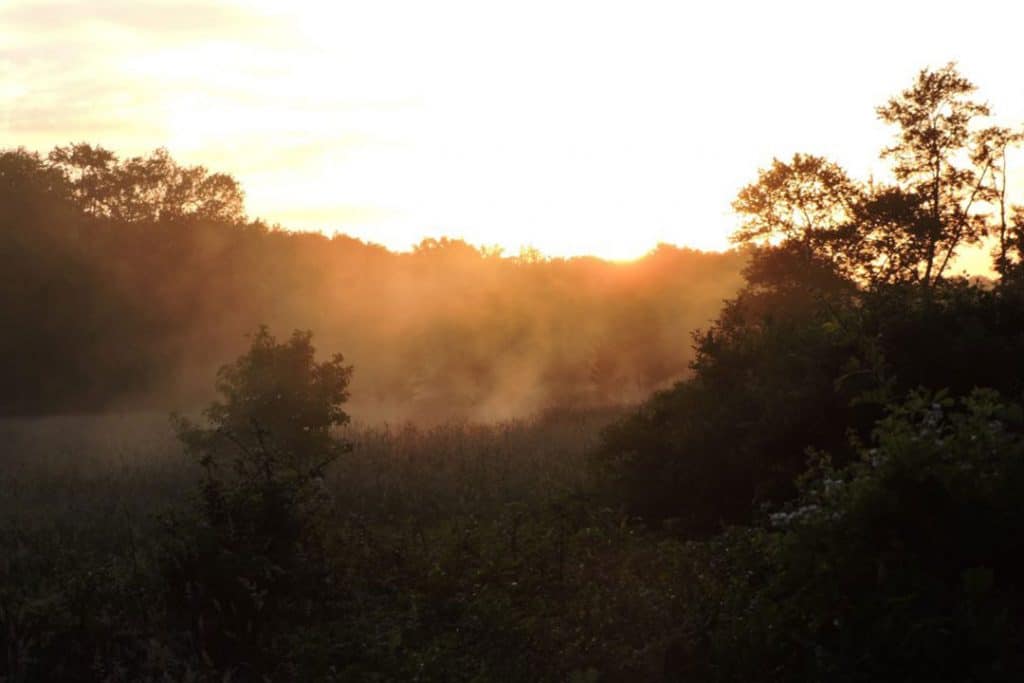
x=130, y=282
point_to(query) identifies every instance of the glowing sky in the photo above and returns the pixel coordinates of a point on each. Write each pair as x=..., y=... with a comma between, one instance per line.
x=590, y=127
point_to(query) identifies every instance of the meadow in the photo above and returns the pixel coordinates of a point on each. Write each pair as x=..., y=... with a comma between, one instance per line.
x=461, y=551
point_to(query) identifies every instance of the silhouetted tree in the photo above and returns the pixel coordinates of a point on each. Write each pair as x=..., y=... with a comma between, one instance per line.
x=990, y=149
x=949, y=171
x=845, y=306
x=147, y=189
x=932, y=158
x=802, y=200
x=243, y=571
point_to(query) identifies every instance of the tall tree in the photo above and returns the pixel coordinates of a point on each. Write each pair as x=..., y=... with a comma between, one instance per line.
x=147, y=189
x=990, y=151
x=950, y=179
x=936, y=118
x=89, y=170
x=798, y=200
x=806, y=207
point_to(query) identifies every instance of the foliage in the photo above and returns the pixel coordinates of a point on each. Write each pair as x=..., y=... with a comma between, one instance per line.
x=810, y=205
x=277, y=405
x=935, y=118
x=250, y=565
x=845, y=306
x=776, y=372
x=146, y=189
x=902, y=565
x=950, y=174
x=776, y=515
x=107, y=306
x=457, y=552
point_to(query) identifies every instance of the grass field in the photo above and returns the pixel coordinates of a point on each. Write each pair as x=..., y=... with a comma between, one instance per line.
x=458, y=552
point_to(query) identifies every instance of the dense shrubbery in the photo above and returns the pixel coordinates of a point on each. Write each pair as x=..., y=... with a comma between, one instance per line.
x=250, y=567
x=774, y=374
x=845, y=308
x=893, y=561
x=475, y=553
x=455, y=553
x=903, y=565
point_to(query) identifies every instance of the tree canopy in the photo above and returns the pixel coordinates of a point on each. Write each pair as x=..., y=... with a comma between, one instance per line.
x=949, y=170
x=848, y=304
x=128, y=281
x=146, y=189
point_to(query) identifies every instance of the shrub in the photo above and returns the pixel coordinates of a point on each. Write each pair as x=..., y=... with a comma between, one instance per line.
x=774, y=374
x=250, y=561
x=903, y=565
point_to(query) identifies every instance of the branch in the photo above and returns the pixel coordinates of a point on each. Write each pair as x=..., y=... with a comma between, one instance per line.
x=963, y=220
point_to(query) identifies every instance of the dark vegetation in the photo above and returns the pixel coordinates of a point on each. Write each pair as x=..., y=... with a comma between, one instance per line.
x=832, y=493
x=128, y=282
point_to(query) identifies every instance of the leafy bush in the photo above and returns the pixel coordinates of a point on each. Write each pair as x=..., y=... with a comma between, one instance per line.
x=251, y=562
x=775, y=373
x=903, y=565
x=795, y=362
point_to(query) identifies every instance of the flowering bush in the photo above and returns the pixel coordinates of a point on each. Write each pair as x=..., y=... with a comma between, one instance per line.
x=903, y=565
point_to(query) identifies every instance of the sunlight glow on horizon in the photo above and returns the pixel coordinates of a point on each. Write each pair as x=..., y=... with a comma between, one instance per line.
x=577, y=128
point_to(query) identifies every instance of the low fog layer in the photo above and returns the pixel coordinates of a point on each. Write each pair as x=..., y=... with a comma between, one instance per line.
x=127, y=283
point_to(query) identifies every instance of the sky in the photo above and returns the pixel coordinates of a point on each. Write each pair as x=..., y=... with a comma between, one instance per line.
x=590, y=127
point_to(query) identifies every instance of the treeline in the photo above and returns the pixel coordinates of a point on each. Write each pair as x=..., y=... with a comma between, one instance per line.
x=127, y=282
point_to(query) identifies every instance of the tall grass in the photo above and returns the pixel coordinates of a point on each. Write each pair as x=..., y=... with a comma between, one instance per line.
x=455, y=552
